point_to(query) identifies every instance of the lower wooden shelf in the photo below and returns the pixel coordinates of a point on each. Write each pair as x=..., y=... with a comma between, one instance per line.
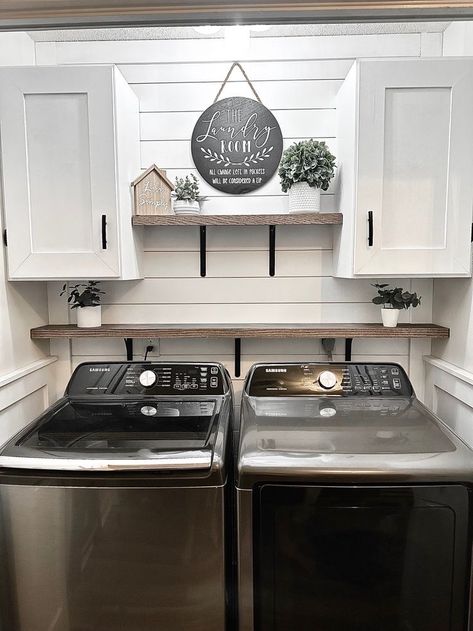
x=241, y=330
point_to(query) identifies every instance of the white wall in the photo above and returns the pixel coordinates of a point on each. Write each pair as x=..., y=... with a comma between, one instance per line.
x=449, y=386
x=298, y=78
x=24, y=365
x=453, y=302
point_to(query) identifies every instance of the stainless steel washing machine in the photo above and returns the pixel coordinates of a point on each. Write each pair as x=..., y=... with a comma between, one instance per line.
x=113, y=503
x=354, y=504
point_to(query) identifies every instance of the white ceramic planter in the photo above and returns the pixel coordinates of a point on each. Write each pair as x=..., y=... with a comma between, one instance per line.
x=186, y=207
x=304, y=198
x=88, y=317
x=390, y=317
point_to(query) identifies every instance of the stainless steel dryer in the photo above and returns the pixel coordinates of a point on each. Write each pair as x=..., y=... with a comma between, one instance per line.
x=353, y=504
x=113, y=503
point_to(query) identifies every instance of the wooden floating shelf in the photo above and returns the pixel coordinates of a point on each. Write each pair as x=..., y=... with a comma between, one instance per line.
x=241, y=331
x=129, y=332
x=239, y=220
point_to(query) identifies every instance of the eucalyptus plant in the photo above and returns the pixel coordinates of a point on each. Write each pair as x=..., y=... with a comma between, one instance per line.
x=395, y=297
x=187, y=188
x=83, y=294
x=307, y=161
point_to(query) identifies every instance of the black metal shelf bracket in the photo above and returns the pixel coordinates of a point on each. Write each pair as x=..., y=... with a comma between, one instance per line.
x=129, y=348
x=203, y=251
x=348, y=347
x=237, y=357
x=272, y=250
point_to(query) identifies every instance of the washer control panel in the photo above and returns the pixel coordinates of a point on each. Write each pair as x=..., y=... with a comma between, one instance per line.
x=148, y=379
x=337, y=379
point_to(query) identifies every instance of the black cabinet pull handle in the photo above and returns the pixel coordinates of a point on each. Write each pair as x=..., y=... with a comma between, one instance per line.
x=104, y=232
x=370, y=228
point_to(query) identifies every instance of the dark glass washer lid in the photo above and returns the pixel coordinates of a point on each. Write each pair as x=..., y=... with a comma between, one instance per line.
x=124, y=427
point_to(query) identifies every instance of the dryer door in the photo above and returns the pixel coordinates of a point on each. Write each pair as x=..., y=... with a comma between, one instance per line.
x=362, y=558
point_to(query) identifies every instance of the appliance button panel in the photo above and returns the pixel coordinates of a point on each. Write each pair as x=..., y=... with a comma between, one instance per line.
x=172, y=379
x=147, y=378
x=334, y=379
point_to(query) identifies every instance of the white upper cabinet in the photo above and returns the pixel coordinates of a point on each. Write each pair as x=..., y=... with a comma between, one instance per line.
x=69, y=151
x=405, y=154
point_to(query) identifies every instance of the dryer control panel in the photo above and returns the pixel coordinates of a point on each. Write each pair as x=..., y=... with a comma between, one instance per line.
x=335, y=379
x=147, y=378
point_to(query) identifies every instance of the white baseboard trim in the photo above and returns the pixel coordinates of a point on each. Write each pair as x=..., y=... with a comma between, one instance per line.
x=19, y=373
x=451, y=369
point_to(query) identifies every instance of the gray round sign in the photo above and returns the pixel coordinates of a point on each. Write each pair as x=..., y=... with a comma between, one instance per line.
x=236, y=145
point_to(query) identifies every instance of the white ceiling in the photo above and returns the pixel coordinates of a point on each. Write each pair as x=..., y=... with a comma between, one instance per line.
x=162, y=32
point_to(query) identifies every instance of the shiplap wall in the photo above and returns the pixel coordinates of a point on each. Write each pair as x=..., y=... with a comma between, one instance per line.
x=298, y=78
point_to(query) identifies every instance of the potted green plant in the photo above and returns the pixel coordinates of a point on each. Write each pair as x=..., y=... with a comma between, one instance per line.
x=85, y=297
x=392, y=300
x=187, y=196
x=306, y=168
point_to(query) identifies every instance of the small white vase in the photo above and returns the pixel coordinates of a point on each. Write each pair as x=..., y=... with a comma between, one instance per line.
x=304, y=198
x=88, y=317
x=186, y=206
x=390, y=317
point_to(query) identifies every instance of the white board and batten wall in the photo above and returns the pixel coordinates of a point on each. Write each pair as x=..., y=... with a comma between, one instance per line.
x=26, y=369
x=449, y=369
x=298, y=79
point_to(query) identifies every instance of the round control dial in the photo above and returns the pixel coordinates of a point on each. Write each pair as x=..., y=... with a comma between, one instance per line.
x=147, y=378
x=327, y=380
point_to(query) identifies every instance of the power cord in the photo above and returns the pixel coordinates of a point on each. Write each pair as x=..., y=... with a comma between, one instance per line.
x=328, y=344
x=148, y=349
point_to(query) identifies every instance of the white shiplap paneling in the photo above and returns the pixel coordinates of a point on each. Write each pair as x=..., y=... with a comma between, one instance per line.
x=215, y=71
x=272, y=49
x=164, y=97
x=182, y=264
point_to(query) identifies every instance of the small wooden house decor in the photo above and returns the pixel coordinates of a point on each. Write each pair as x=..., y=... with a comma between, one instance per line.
x=152, y=192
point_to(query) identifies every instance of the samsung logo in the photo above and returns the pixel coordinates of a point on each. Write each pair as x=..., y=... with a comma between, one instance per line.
x=99, y=369
x=276, y=369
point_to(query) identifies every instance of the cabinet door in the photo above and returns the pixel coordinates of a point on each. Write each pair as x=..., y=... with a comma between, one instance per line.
x=415, y=166
x=57, y=139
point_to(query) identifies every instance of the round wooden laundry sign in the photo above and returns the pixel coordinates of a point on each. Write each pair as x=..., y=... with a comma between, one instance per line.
x=237, y=145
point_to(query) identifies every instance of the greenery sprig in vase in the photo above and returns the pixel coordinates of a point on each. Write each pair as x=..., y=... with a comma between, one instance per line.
x=306, y=168
x=187, y=197
x=86, y=298
x=392, y=300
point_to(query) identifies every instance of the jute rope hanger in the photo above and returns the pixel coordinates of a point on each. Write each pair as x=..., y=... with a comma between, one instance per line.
x=236, y=64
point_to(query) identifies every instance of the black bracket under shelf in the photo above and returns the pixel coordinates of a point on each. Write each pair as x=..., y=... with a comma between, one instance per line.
x=129, y=348
x=272, y=250
x=237, y=357
x=203, y=250
x=348, y=347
